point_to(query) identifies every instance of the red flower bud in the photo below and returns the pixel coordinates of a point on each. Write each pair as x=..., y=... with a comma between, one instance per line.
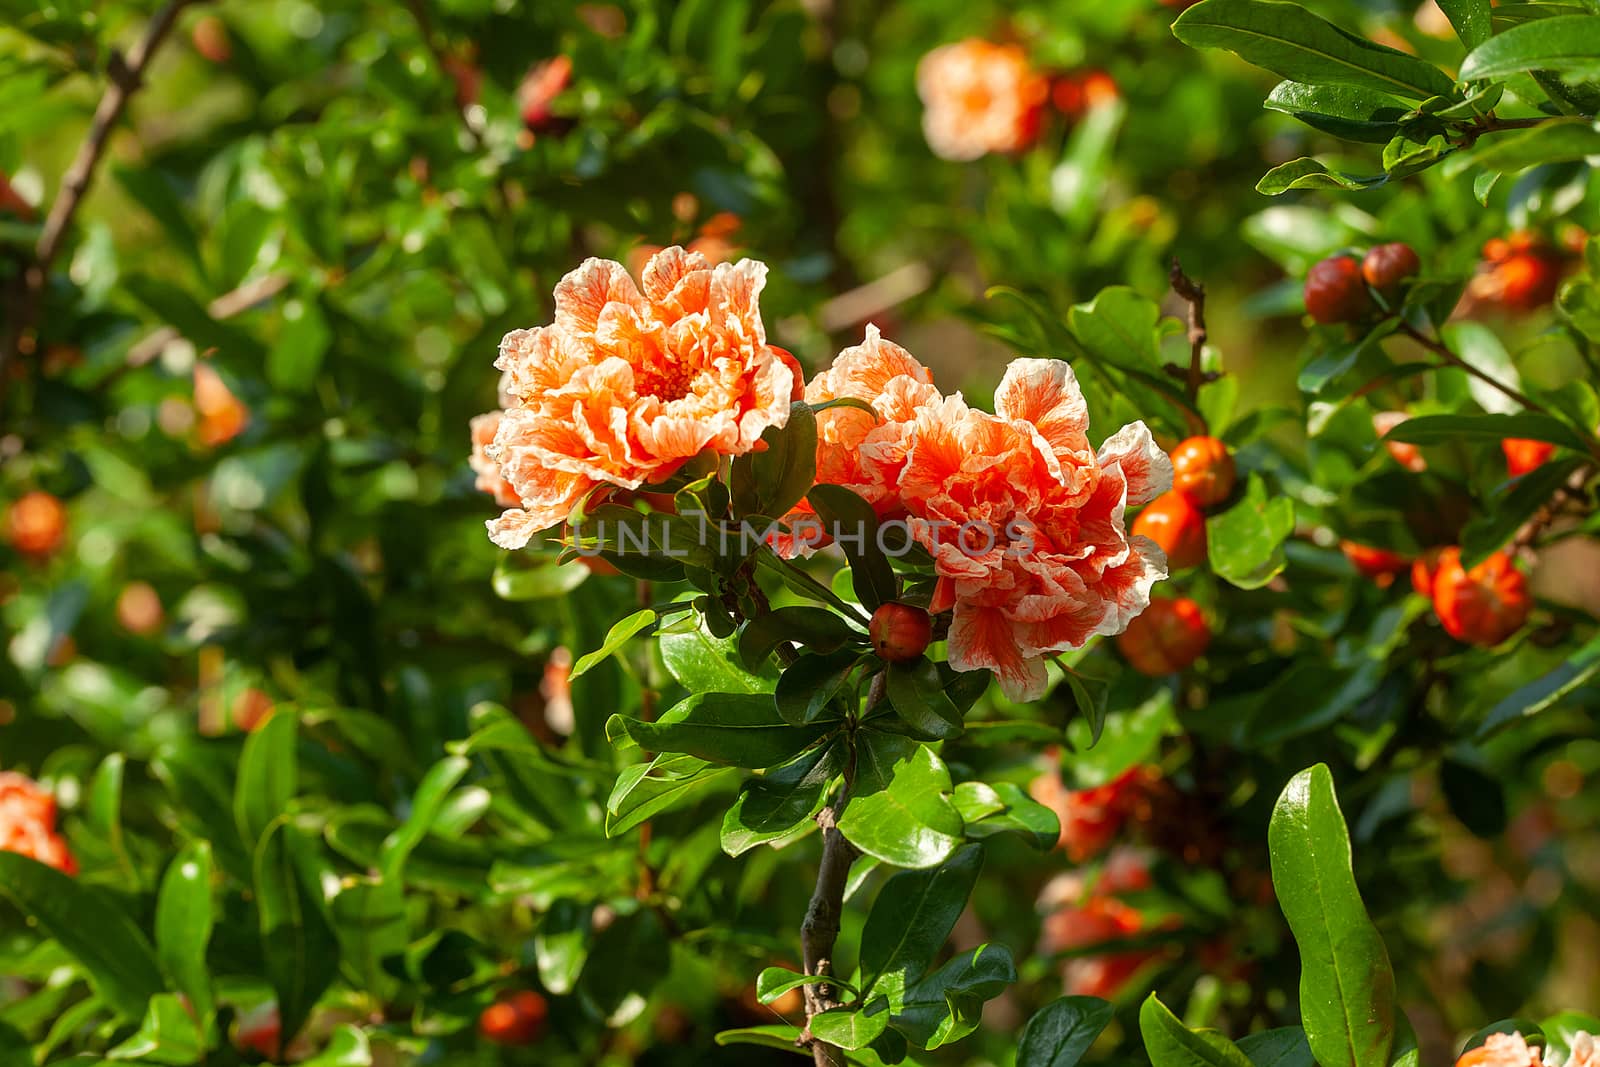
x=1524, y=455
x=1169, y=636
x=1336, y=292
x=1481, y=606
x=1387, y=267
x=514, y=1019
x=37, y=524
x=899, y=632
x=1376, y=563
x=1175, y=524
x=1203, y=471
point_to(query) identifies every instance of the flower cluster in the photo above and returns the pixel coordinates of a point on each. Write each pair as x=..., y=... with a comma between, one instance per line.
x=1513, y=1050
x=627, y=384
x=1085, y=913
x=28, y=823
x=1023, y=518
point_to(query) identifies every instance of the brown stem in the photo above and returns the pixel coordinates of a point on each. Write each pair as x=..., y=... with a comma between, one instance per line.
x=126, y=76
x=1442, y=350
x=1530, y=531
x=1194, y=294
x=820, y=929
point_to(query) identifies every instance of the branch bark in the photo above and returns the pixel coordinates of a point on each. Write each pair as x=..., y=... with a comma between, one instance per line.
x=820, y=929
x=126, y=77
x=1194, y=294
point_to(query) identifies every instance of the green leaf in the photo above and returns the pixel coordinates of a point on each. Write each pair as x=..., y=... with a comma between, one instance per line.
x=900, y=811
x=853, y=525
x=742, y=729
x=810, y=684
x=1561, y=1028
x=1508, y=511
x=774, y=982
x=1307, y=173
x=705, y=664
x=1293, y=43
x=616, y=637
x=1529, y=1029
x=1476, y=797
x=1120, y=327
x=1347, y=989
x=1346, y=111
x=89, y=925
x=816, y=628
x=426, y=803
x=947, y=1005
x=184, y=918
x=1061, y=1032
x=1545, y=692
x=773, y=481
x=671, y=780
x=561, y=946
x=1006, y=808
x=1169, y=1043
x=348, y=1047
x=297, y=353
x=782, y=802
x=626, y=959
x=513, y=580
x=1471, y=19
x=1568, y=44
x=269, y=773
x=1443, y=429
x=1553, y=141
x=776, y=1035
x=916, y=691
x=1245, y=543
x=1091, y=698
x=913, y=915
x=169, y=1035
x=849, y=1029
x=297, y=941
x=1284, y=1047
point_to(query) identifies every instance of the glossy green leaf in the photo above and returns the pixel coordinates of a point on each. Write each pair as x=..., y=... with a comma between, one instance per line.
x=671, y=780
x=900, y=811
x=616, y=637
x=1471, y=19
x=1061, y=1032
x=1555, y=141
x=916, y=691
x=741, y=729
x=92, y=927
x=1169, y=1043
x=913, y=915
x=1547, y=691
x=702, y=663
x=853, y=525
x=774, y=982
x=774, y=1035
x=777, y=805
x=818, y=629
x=1006, y=808
x=947, y=1004
x=168, y=1035
x=1347, y=989
x=1568, y=44
x=514, y=580
x=561, y=945
x=849, y=1029
x=269, y=773
x=426, y=803
x=297, y=941
x=626, y=959
x=185, y=915
x=1296, y=44
x=1307, y=173
x=1442, y=429
x=811, y=683
x=1245, y=543
x=348, y=1047
x=1346, y=111
x=1508, y=511
x=1284, y=1047
x=772, y=481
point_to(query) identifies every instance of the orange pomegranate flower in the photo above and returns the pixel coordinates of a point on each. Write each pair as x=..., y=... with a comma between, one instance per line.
x=979, y=97
x=28, y=823
x=1501, y=1050
x=631, y=381
x=1028, y=520
x=488, y=471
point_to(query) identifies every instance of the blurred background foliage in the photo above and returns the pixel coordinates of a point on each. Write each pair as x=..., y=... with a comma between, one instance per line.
x=248, y=379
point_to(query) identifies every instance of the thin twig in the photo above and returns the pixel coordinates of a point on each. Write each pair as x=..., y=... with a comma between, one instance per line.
x=226, y=306
x=126, y=76
x=1550, y=510
x=1194, y=294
